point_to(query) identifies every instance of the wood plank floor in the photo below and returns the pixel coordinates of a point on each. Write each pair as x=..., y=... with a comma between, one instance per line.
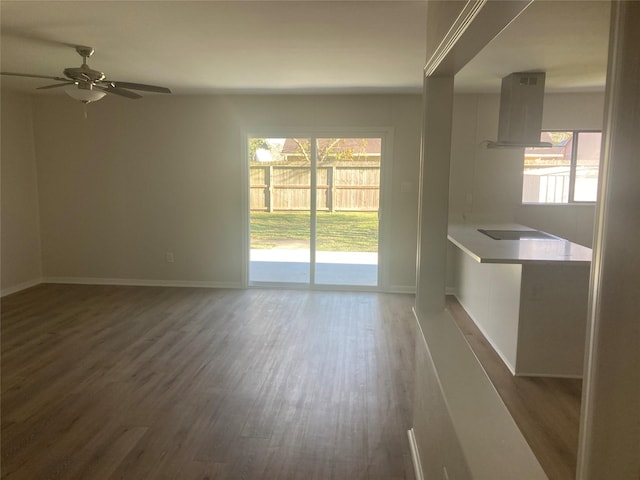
x=107, y=382
x=547, y=410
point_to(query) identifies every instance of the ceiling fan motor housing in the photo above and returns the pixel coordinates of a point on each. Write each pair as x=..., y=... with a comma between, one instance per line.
x=84, y=74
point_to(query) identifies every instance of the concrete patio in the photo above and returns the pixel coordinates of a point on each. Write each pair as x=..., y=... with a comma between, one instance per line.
x=281, y=265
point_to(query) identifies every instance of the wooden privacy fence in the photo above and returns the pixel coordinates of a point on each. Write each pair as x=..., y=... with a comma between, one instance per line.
x=340, y=188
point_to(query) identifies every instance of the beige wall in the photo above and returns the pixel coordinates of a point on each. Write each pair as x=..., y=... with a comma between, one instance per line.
x=486, y=184
x=137, y=179
x=20, y=218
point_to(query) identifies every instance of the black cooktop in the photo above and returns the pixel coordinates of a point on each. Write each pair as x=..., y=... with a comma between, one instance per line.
x=517, y=234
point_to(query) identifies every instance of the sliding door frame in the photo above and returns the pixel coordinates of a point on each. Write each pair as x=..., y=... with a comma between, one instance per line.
x=386, y=134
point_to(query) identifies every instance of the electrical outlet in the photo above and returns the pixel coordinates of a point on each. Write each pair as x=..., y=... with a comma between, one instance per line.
x=168, y=257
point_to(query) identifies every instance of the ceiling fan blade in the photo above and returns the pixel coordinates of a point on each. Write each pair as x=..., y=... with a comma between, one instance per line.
x=119, y=91
x=55, y=85
x=138, y=86
x=60, y=79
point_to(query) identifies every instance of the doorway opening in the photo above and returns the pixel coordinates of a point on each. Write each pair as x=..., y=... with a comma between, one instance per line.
x=314, y=210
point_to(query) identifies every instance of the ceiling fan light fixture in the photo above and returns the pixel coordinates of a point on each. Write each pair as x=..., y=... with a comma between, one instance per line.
x=84, y=93
x=87, y=85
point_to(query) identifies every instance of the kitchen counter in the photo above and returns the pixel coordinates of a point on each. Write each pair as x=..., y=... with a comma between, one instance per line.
x=528, y=296
x=485, y=249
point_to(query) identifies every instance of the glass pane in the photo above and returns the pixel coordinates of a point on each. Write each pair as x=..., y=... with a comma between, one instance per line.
x=547, y=170
x=348, y=181
x=280, y=202
x=587, y=166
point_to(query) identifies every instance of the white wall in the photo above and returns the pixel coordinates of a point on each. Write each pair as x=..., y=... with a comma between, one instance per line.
x=574, y=222
x=139, y=178
x=20, y=219
x=486, y=184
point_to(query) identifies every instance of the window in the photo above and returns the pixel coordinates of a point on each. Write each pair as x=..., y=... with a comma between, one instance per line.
x=565, y=173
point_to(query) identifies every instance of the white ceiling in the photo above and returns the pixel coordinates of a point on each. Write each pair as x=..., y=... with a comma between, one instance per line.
x=289, y=46
x=568, y=40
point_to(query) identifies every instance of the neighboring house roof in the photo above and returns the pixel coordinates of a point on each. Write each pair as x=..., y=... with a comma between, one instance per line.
x=562, y=150
x=588, y=151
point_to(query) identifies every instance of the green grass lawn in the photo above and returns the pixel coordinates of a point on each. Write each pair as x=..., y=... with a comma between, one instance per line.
x=340, y=232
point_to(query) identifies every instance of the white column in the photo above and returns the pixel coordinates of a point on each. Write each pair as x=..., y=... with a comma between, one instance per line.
x=434, y=193
x=610, y=422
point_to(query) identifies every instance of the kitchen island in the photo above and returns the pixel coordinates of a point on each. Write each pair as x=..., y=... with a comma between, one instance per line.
x=527, y=293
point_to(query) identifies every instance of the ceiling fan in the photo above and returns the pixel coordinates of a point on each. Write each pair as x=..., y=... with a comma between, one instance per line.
x=88, y=85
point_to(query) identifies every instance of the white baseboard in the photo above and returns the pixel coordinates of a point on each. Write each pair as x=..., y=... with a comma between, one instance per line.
x=488, y=338
x=20, y=286
x=415, y=455
x=547, y=375
x=137, y=282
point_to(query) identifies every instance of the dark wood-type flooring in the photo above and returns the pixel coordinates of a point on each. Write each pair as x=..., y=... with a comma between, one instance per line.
x=108, y=382
x=547, y=410
x=105, y=382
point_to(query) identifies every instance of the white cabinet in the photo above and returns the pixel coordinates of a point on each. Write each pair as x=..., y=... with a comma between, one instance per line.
x=528, y=297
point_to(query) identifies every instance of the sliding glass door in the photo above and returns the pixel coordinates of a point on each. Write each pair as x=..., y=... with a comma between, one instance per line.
x=280, y=210
x=314, y=206
x=348, y=192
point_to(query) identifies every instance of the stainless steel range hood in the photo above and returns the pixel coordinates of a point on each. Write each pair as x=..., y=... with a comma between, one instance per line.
x=520, y=121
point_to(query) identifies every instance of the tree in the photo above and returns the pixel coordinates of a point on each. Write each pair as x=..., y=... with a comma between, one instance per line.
x=336, y=149
x=560, y=138
x=256, y=144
